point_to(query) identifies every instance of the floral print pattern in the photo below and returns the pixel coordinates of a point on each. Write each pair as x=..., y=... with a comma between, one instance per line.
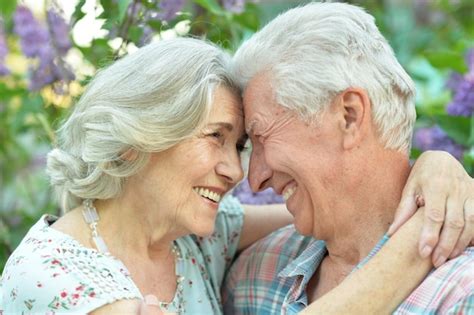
x=52, y=273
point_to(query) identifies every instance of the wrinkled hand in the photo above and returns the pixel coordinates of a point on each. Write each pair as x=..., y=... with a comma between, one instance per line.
x=150, y=306
x=440, y=183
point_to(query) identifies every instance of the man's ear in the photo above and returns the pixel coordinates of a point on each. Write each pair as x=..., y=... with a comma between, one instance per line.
x=355, y=105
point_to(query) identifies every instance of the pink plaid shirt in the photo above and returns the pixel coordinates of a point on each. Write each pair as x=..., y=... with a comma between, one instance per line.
x=271, y=278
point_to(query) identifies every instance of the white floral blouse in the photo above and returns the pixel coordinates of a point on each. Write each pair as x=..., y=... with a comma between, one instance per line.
x=52, y=273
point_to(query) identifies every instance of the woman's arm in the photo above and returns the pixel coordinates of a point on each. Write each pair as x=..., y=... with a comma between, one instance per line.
x=442, y=228
x=384, y=282
x=440, y=183
x=259, y=221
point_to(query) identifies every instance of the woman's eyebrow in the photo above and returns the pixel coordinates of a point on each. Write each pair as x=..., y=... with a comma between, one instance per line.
x=224, y=125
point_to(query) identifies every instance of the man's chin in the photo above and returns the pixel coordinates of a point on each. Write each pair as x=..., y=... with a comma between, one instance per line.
x=303, y=229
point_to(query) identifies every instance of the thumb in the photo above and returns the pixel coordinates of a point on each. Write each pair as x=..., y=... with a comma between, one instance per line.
x=406, y=208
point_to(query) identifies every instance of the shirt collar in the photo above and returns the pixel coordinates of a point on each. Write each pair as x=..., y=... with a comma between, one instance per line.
x=306, y=262
x=303, y=267
x=300, y=271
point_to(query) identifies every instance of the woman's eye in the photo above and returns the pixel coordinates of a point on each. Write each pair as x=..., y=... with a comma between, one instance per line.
x=216, y=134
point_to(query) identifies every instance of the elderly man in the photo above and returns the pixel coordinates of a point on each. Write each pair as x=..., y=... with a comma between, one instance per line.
x=330, y=113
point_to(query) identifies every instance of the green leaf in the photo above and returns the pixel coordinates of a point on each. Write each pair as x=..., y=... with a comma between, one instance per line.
x=471, y=137
x=447, y=60
x=78, y=13
x=7, y=92
x=468, y=162
x=456, y=127
x=212, y=6
x=7, y=8
x=249, y=18
x=135, y=33
x=99, y=53
x=122, y=8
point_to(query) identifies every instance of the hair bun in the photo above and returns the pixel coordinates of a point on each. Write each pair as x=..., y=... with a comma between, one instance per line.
x=64, y=169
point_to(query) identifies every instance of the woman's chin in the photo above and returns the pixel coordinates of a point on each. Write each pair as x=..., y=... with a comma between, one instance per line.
x=204, y=228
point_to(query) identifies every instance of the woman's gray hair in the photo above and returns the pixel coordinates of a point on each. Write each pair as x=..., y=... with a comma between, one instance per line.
x=146, y=102
x=314, y=52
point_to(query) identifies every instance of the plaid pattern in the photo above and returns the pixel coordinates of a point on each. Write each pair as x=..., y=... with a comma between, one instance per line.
x=271, y=277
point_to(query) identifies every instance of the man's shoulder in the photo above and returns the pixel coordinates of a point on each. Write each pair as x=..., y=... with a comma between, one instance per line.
x=449, y=287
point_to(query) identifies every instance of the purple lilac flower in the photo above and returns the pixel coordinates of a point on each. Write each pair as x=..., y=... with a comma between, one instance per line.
x=235, y=6
x=3, y=52
x=169, y=8
x=246, y=196
x=146, y=36
x=463, y=90
x=434, y=138
x=36, y=42
x=33, y=36
x=59, y=31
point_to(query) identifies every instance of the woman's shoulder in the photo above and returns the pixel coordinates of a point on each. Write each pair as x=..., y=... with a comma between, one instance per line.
x=228, y=226
x=230, y=205
x=213, y=253
x=230, y=218
x=51, y=271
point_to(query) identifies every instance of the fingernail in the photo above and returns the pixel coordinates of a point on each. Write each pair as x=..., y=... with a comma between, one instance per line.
x=438, y=262
x=426, y=251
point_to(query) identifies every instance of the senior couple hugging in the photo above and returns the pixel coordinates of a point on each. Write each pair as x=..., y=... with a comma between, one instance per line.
x=150, y=151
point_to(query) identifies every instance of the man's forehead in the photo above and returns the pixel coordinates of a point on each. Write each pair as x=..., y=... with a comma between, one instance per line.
x=250, y=126
x=259, y=103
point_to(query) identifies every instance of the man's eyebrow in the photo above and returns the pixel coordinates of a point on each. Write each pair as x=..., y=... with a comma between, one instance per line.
x=224, y=125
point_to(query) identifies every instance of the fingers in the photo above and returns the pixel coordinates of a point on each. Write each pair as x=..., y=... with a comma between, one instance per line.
x=452, y=229
x=406, y=208
x=435, y=204
x=150, y=306
x=467, y=235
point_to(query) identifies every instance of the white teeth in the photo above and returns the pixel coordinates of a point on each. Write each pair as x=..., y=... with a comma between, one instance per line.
x=208, y=194
x=287, y=193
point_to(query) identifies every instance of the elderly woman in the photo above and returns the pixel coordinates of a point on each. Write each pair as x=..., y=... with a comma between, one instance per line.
x=142, y=170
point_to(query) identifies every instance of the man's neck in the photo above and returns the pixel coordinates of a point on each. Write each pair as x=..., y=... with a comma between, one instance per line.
x=364, y=217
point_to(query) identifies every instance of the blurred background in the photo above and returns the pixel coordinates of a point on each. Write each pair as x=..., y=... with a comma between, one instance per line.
x=49, y=49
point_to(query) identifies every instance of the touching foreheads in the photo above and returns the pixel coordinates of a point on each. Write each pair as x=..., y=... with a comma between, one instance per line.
x=314, y=52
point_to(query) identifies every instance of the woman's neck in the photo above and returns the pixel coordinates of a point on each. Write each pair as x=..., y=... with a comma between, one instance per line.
x=128, y=228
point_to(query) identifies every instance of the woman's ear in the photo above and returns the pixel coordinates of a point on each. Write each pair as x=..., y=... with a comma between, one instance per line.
x=129, y=155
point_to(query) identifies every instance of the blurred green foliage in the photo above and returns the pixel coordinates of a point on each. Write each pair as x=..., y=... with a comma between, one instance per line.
x=429, y=38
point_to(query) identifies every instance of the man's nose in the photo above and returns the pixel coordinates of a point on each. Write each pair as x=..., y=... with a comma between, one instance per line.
x=259, y=171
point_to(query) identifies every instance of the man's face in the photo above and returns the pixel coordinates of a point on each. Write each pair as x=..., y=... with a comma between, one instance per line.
x=296, y=159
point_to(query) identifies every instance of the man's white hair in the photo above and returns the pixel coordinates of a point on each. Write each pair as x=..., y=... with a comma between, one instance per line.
x=146, y=102
x=314, y=52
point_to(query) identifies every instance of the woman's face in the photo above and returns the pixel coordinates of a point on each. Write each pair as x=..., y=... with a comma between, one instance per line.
x=186, y=182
